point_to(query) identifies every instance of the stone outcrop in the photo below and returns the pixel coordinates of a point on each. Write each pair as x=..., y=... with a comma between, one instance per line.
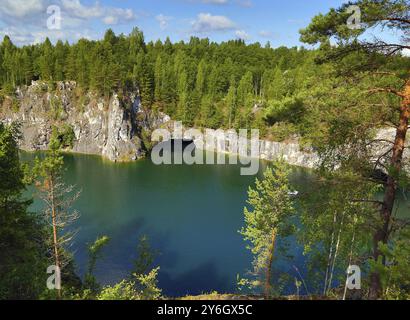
x=109, y=128
x=112, y=128
x=268, y=150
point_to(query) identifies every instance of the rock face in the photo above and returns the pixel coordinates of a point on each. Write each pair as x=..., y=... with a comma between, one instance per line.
x=290, y=152
x=112, y=128
x=107, y=128
x=120, y=143
x=101, y=127
x=267, y=150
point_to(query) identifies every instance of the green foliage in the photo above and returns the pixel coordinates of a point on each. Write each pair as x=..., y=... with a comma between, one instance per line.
x=22, y=250
x=56, y=111
x=57, y=213
x=144, y=287
x=288, y=109
x=395, y=272
x=269, y=219
x=197, y=82
x=125, y=290
x=146, y=256
x=148, y=285
x=94, y=253
x=8, y=90
x=143, y=283
x=146, y=139
x=368, y=89
x=62, y=138
x=336, y=226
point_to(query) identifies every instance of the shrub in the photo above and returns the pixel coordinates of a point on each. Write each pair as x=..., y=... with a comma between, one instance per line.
x=145, y=288
x=62, y=138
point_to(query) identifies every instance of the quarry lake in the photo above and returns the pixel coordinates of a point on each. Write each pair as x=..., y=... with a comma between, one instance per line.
x=191, y=215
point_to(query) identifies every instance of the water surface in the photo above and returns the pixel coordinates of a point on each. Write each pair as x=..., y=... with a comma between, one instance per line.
x=191, y=214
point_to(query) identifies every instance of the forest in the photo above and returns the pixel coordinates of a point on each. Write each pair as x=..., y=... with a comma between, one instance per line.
x=334, y=97
x=202, y=83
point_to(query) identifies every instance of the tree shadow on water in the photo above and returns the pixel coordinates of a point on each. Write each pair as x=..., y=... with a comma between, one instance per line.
x=202, y=279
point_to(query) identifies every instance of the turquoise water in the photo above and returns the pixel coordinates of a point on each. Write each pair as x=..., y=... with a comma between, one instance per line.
x=191, y=214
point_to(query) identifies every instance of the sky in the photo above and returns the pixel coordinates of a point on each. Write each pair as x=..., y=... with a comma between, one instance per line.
x=276, y=21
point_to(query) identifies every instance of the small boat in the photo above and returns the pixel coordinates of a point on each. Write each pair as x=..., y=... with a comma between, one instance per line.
x=293, y=193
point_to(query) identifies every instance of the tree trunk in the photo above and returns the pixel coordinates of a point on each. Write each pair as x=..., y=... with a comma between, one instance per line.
x=329, y=259
x=55, y=238
x=268, y=282
x=382, y=233
x=336, y=252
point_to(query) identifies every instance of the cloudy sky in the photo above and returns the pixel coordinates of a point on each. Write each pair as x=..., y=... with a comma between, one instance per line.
x=277, y=21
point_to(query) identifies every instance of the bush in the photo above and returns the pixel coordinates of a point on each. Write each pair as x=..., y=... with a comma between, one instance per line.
x=281, y=131
x=289, y=109
x=8, y=90
x=145, y=288
x=125, y=290
x=146, y=139
x=56, y=110
x=62, y=138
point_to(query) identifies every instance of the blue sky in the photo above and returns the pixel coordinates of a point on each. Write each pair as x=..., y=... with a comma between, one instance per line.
x=277, y=21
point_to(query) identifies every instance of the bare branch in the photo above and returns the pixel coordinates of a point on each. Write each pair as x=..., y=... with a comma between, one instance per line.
x=367, y=201
x=387, y=90
x=394, y=19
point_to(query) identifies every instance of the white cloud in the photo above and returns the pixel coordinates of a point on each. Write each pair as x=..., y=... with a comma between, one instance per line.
x=243, y=35
x=206, y=22
x=268, y=34
x=25, y=20
x=20, y=8
x=117, y=14
x=110, y=20
x=163, y=21
x=22, y=36
x=75, y=8
x=108, y=15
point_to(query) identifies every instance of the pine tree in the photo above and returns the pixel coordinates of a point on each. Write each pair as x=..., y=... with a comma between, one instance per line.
x=231, y=102
x=27, y=67
x=22, y=253
x=58, y=199
x=245, y=87
x=94, y=253
x=358, y=57
x=146, y=84
x=201, y=78
x=182, y=90
x=46, y=61
x=59, y=61
x=268, y=220
x=159, y=74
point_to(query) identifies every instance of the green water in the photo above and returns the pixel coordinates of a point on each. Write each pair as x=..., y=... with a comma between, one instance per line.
x=191, y=215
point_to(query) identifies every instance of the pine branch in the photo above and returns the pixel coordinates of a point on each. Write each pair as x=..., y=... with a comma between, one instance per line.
x=387, y=90
x=367, y=201
x=395, y=19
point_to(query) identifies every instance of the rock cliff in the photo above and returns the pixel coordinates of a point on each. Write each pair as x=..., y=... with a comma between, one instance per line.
x=110, y=128
x=113, y=128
